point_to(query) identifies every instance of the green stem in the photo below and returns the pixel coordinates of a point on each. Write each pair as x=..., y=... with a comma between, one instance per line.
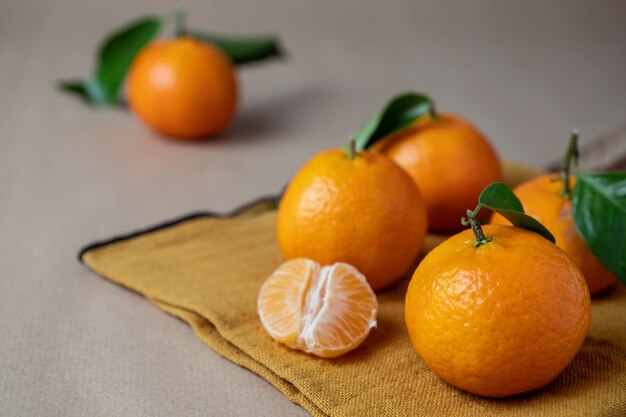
x=476, y=227
x=433, y=112
x=351, y=153
x=180, y=22
x=571, y=153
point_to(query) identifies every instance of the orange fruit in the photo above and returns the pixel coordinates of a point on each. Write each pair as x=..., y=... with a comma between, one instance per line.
x=183, y=88
x=364, y=211
x=498, y=319
x=326, y=311
x=541, y=198
x=449, y=160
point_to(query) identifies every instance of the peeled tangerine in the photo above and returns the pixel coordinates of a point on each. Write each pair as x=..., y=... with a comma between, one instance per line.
x=326, y=311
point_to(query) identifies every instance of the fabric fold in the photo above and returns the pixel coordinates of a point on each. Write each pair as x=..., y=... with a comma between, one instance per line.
x=207, y=270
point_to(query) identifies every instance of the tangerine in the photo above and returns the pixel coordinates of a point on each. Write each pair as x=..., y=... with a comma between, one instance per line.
x=183, y=88
x=362, y=209
x=542, y=198
x=488, y=321
x=449, y=160
x=326, y=311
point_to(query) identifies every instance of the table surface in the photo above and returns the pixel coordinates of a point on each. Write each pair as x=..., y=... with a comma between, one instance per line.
x=74, y=344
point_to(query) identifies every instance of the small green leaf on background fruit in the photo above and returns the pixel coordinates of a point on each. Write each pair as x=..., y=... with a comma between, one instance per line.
x=499, y=198
x=242, y=49
x=78, y=88
x=115, y=57
x=91, y=91
x=402, y=111
x=599, y=206
x=119, y=50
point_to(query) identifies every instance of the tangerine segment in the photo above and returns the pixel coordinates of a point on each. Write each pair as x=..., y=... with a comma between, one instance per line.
x=281, y=299
x=323, y=311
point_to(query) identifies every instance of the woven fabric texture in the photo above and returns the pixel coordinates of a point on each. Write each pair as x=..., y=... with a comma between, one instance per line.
x=207, y=270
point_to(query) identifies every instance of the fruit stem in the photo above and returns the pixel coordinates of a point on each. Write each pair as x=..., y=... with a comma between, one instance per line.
x=180, y=22
x=476, y=228
x=351, y=154
x=433, y=113
x=571, y=153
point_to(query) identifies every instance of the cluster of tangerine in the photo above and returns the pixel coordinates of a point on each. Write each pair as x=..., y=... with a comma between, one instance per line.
x=518, y=326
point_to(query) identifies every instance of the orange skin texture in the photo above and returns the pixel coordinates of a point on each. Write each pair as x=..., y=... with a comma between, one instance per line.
x=364, y=211
x=541, y=199
x=499, y=319
x=183, y=88
x=450, y=161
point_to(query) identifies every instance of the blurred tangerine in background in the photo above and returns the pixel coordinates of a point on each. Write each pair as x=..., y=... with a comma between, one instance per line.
x=548, y=198
x=449, y=160
x=542, y=199
x=183, y=88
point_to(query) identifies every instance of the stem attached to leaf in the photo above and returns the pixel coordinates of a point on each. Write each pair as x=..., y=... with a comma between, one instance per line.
x=571, y=153
x=180, y=24
x=433, y=112
x=351, y=153
x=476, y=228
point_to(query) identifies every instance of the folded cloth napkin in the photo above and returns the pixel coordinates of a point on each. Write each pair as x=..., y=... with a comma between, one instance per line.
x=207, y=269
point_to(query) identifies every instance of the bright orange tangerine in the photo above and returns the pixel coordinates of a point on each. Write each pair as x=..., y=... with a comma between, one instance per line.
x=183, y=88
x=498, y=319
x=362, y=210
x=541, y=198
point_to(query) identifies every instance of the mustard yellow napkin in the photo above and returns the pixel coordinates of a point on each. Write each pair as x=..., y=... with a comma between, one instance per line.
x=207, y=270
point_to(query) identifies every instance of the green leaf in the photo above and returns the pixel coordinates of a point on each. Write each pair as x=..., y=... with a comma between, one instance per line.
x=119, y=50
x=242, y=49
x=402, y=111
x=599, y=206
x=90, y=91
x=78, y=88
x=115, y=57
x=499, y=198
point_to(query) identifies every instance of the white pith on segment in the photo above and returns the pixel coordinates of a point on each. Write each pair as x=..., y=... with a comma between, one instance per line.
x=316, y=327
x=281, y=290
x=335, y=331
